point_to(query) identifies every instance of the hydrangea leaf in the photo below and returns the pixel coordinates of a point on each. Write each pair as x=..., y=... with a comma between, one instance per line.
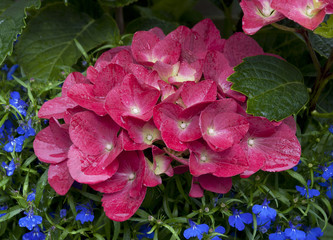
x=326, y=29
x=274, y=88
x=321, y=44
x=12, y=22
x=117, y=3
x=49, y=41
x=146, y=23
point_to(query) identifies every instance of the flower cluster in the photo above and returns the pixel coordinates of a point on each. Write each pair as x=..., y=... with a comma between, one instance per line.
x=164, y=98
x=308, y=13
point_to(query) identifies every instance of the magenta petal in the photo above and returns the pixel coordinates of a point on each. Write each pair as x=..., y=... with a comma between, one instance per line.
x=72, y=79
x=215, y=184
x=142, y=46
x=51, y=145
x=86, y=169
x=196, y=190
x=120, y=206
x=194, y=93
x=59, y=178
x=151, y=179
x=167, y=51
x=170, y=132
x=239, y=46
x=129, y=144
x=162, y=162
x=56, y=107
x=83, y=94
x=164, y=111
x=108, y=56
x=93, y=134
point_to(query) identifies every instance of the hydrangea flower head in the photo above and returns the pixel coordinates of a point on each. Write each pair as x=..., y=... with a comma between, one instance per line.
x=293, y=233
x=308, y=194
x=35, y=234
x=85, y=213
x=264, y=211
x=238, y=219
x=10, y=168
x=30, y=221
x=218, y=229
x=195, y=230
x=143, y=232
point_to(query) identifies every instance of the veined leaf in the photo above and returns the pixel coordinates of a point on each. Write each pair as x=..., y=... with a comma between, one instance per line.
x=49, y=41
x=274, y=88
x=12, y=21
x=326, y=29
x=117, y=3
x=322, y=45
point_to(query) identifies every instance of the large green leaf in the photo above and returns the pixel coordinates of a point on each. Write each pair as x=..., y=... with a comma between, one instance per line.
x=274, y=88
x=117, y=3
x=12, y=21
x=326, y=29
x=322, y=45
x=49, y=41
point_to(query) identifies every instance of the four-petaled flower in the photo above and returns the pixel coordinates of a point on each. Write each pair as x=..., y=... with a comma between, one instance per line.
x=196, y=230
x=238, y=219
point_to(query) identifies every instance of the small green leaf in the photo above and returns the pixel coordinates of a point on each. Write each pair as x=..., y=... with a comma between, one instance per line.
x=49, y=40
x=326, y=29
x=116, y=230
x=12, y=21
x=11, y=213
x=298, y=177
x=274, y=88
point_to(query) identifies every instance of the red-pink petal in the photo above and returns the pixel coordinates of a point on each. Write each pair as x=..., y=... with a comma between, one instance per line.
x=215, y=184
x=142, y=46
x=196, y=190
x=59, y=178
x=56, y=107
x=193, y=93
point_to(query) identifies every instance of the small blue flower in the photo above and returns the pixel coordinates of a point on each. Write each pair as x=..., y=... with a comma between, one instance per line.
x=35, y=234
x=308, y=194
x=328, y=172
x=85, y=213
x=278, y=235
x=31, y=196
x=218, y=229
x=313, y=233
x=293, y=233
x=195, y=230
x=264, y=211
x=63, y=213
x=3, y=208
x=237, y=220
x=16, y=101
x=296, y=167
x=4, y=68
x=26, y=130
x=14, y=143
x=30, y=221
x=263, y=223
x=10, y=168
x=11, y=72
x=143, y=232
x=329, y=192
x=330, y=129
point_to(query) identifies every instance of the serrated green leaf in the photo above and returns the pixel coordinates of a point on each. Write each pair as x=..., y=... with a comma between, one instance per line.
x=274, y=88
x=12, y=22
x=117, y=3
x=49, y=40
x=322, y=45
x=325, y=29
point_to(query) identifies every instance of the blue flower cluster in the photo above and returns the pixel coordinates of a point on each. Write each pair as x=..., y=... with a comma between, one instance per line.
x=265, y=215
x=294, y=233
x=85, y=213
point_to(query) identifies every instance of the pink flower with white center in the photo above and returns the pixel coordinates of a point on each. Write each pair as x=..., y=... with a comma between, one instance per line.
x=258, y=13
x=308, y=13
x=131, y=99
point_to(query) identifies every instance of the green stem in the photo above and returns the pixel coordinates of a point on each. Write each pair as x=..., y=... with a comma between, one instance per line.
x=313, y=55
x=322, y=115
x=284, y=28
x=120, y=19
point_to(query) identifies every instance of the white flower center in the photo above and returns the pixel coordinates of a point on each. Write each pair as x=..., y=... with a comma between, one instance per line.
x=149, y=137
x=108, y=147
x=135, y=110
x=267, y=10
x=131, y=176
x=250, y=142
x=203, y=158
x=211, y=131
x=183, y=125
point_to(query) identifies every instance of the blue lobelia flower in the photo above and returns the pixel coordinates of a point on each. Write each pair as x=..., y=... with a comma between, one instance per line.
x=264, y=211
x=313, y=233
x=328, y=172
x=4, y=68
x=195, y=230
x=263, y=223
x=296, y=167
x=85, y=213
x=30, y=221
x=329, y=192
x=3, y=208
x=278, y=235
x=16, y=101
x=35, y=234
x=330, y=129
x=31, y=196
x=14, y=144
x=218, y=229
x=308, y=194
x=293, y=233
x=63, y=213
x=10, y=168
x=143, y=232
x=11, y=71
x=26, y=130
x=237, y=220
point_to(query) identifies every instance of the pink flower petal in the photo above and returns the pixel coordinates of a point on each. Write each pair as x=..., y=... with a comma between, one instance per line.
x=56, y=107
x=151, y=178
x=215, y=184
x=142, y=47
x=196, y=190
x=59, y=177
x=162, y=162
x=193, y=93
x=108, y=56
x=72, y=79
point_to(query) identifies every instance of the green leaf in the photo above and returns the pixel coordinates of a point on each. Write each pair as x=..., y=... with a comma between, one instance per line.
x=328, y=233
x=274, y=88
x=42, y=182
x=117, y=3
x=49, y=40
x=12, y=22
x=298, y=177
x=322, y=45
x=326, y=29
x=146, y=23
x=11, y=213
